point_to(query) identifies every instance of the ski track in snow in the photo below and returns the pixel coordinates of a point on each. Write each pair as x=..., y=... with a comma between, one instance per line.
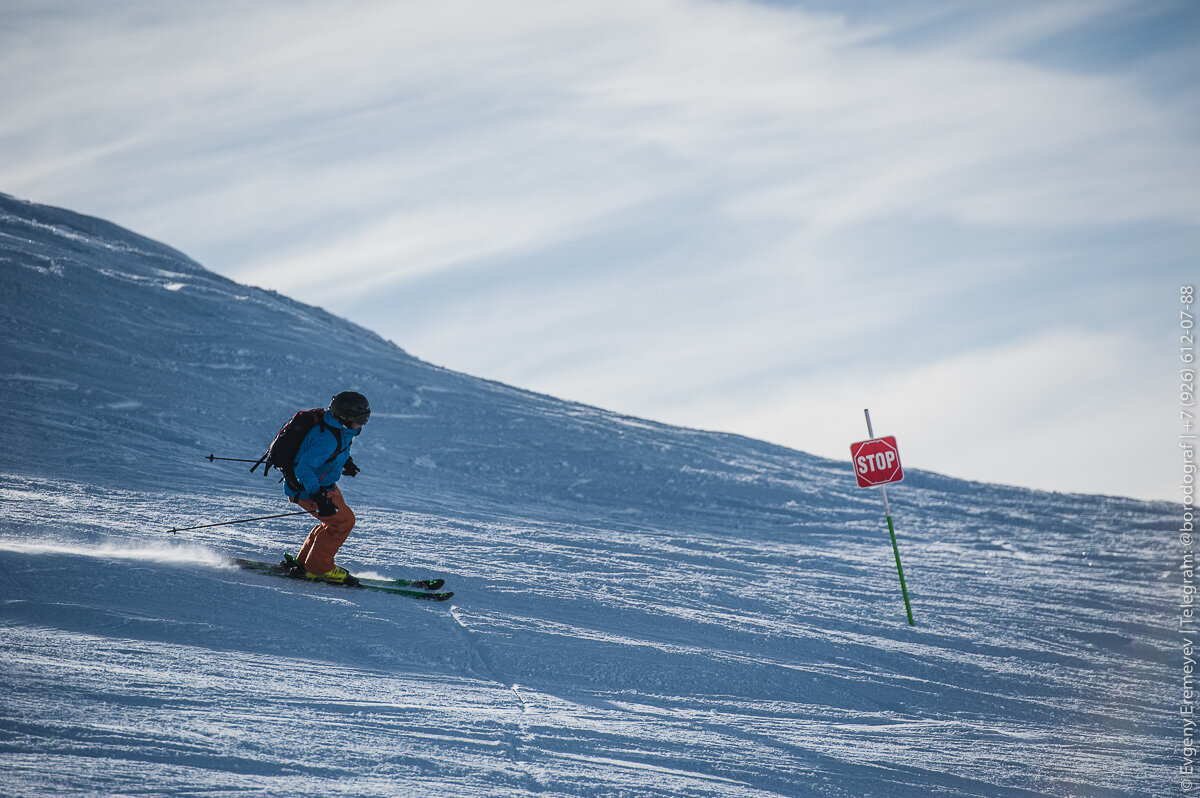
x=640, y=610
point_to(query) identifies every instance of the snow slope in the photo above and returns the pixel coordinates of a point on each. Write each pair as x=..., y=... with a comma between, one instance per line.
x=641, y=610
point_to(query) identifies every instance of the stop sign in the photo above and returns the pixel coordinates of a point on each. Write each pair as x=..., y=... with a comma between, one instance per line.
x=876, y=462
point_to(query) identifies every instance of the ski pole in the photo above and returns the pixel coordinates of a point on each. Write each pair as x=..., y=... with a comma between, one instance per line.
x=173, y=530
x=212, y=457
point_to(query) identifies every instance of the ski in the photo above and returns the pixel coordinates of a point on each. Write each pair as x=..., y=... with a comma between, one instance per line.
x=283, y=570
x=420, y=584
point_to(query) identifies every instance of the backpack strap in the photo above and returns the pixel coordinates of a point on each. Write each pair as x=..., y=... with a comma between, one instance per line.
x=289, y=472
x=337, y=433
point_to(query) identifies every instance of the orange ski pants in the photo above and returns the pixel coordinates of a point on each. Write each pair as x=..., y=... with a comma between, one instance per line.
x=327, y=537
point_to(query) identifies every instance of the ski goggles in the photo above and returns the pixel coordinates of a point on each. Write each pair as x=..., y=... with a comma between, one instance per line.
x=348, y=418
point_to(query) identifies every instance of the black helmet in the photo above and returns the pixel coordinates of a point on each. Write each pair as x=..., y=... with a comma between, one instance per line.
x=349, y=408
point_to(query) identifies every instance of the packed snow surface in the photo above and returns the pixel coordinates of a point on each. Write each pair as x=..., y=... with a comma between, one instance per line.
x=640, y=610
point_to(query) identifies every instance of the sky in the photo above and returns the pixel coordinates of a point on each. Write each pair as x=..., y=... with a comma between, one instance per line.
x=755, y=217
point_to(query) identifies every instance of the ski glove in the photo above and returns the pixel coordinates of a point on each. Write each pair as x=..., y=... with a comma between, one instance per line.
x=325, y=505
x=350, y=469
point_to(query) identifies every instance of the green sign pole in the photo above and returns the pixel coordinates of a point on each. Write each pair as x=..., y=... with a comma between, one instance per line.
x=896, y=551
x=892, y=531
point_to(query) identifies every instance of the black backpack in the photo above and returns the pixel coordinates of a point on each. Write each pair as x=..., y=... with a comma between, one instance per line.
x=282, y=452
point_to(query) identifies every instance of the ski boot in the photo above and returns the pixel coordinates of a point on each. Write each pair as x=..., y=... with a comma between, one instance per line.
x=339, y=576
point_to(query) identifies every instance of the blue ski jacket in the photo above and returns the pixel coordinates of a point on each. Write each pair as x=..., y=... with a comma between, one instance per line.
x=320, y=459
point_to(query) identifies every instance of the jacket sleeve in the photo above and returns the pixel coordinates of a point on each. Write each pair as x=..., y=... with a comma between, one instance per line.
x=316, y=449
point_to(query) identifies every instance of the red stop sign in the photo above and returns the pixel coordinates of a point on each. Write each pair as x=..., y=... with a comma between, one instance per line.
x=876, y=462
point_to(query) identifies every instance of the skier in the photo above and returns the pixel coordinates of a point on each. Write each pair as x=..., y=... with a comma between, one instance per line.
x=323, y=457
